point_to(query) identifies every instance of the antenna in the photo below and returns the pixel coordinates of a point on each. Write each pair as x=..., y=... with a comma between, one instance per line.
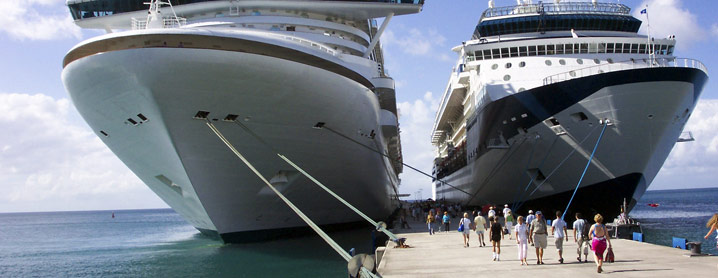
x=491, y=4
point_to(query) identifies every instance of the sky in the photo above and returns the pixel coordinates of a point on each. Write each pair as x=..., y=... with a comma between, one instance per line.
x=50, y=160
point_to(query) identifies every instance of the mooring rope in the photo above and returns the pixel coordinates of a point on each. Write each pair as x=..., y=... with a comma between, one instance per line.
x=344, y=254
x=605, y=124
x=562, y=162
x=318, y=183
x=393, y=159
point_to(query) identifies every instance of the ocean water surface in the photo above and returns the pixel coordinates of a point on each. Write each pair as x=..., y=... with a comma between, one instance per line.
x=159, y=243
x=155, y=243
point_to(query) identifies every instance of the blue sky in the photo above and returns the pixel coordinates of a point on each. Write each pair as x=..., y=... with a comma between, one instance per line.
x=51, y=160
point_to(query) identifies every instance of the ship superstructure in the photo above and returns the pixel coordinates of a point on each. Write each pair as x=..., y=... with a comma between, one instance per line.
x=283, y=68
x=530, y=96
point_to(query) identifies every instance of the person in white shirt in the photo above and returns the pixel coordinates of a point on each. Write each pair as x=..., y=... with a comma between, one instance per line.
x=480, y=226
x=522, y=236
x=466, y=232
x=492, y=212
x=558, y=228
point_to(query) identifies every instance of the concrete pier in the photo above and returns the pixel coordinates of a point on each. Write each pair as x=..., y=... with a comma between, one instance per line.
x=444, y=255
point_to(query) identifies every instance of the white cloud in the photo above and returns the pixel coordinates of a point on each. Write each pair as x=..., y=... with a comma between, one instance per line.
x=416, y=119
x=415, y=42
x=681, y=22
x=49, y=163
x=37, y=20
x=714, y=30
x=694, y=164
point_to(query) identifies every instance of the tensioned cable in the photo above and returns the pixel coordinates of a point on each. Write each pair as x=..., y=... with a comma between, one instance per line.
x=295, y=166
x=504, y=158
x=562, y=161
x=393, y=159
x=588, y=163
x=344, y=254
x=528, y=163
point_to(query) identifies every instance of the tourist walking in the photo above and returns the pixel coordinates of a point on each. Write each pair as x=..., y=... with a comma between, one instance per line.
x=522, y=237
x=509, y=219
x=713, y=226
x=430, y=222
x=599, y=239
x=465, y=224
x=538, y=236
x=558, y=229
x=492, y=212
x=530, y=219
x=447, y=221
x=480, y=227
x=495, y=233
x=580, y=237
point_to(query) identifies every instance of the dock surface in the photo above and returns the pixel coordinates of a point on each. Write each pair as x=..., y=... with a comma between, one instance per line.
x=444, y=255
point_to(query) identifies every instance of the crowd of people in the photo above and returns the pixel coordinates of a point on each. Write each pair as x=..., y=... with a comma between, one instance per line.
x=533, y=230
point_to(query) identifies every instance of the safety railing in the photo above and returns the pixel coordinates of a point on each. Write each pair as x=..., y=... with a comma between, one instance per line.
x=168, y=22
x=560, y=8
x=626, y=65
x=311, y=44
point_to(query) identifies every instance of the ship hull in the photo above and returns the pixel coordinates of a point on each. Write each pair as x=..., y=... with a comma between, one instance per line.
x=187, y=165
x=530, y=149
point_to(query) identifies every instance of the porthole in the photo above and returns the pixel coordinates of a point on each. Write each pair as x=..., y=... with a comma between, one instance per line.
x=522, y=89
x=609, y=60
x=507, y=77
x=597, y=61
x=494, y=66
x=572, y=73
x=508, y=65
x=522, y=64
x=600, y=71
x=579, y=61
x=562, y=62
x=548, y=62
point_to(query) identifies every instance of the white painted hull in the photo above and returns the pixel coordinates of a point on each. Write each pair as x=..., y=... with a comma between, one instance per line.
x=281, y=101
x=647, y=119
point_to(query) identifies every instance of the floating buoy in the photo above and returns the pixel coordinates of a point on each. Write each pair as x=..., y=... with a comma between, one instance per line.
x=653, y=205
x=113, y=215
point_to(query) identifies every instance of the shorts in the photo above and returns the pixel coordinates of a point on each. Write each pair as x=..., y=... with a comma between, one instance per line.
x=540, y=241
x=479, y=232
x=466, y=231
x=559, y=243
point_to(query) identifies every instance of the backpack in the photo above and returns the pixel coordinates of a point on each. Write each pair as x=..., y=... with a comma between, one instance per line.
x=584, y=231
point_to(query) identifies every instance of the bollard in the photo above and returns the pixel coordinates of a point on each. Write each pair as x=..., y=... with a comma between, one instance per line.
x=695, y=248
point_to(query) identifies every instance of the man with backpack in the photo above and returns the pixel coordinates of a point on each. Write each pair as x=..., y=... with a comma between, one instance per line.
x=580, y=236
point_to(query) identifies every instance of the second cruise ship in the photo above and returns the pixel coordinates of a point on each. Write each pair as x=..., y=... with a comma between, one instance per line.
x=554, y=96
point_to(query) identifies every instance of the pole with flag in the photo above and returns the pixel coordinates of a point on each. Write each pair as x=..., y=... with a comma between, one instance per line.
x=649, y=45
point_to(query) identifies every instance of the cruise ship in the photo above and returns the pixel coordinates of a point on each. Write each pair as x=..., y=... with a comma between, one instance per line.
x=306, y=78
x=552, y=99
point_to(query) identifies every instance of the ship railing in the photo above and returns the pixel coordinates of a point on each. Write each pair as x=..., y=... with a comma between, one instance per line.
x=626, y=65
x=560, y=8
x=167, y=22
x=311, y=44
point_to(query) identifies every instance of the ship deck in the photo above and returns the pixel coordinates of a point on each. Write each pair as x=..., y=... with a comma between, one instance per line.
x=443, y=255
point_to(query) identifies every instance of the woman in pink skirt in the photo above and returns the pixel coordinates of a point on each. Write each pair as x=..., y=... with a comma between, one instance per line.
x=599, y=239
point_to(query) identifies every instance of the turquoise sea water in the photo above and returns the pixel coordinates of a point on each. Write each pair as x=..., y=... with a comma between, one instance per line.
x=681, y=213
x=158, y=243
x=154, y=243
